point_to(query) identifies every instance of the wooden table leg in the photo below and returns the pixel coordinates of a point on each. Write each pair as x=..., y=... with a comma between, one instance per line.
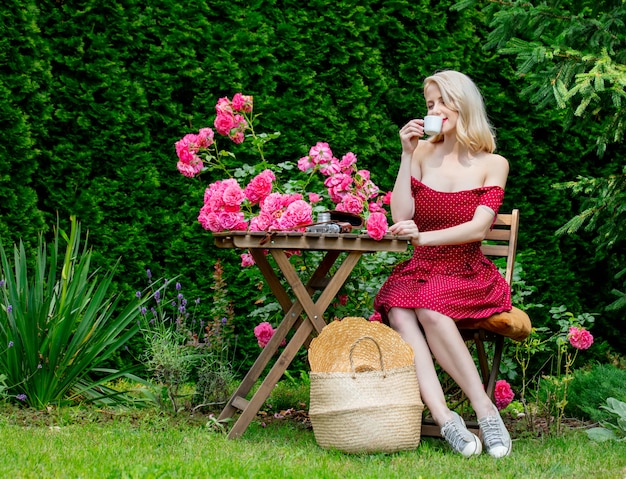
x=315, y=311
x=254, y=405
x=314, y=321
x=292, y=313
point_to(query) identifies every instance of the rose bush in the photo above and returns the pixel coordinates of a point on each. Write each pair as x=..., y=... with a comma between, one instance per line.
x=253, y=198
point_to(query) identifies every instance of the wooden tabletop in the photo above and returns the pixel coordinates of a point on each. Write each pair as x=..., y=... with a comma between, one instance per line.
x=309, y=241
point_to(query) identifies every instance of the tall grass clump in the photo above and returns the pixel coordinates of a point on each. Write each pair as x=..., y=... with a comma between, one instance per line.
x=59, y=321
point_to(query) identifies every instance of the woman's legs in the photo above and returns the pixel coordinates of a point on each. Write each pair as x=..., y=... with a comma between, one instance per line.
x=404, y=321
x=451, y=352
x=442, y=339
x=453, y=429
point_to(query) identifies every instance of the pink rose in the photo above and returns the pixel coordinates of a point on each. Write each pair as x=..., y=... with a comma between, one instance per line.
x=297, y=213
x=376, y=208
x=209, y=220
x=580, y=338
x=340, y=181
x=223, y=106
x=376, y=317
x=503, y=394
x=387, y=198
x=205, y=137
x=233, y=196
x=232, y=221
x=305, y=163
x=187, y=144
x=346, y=162
x=320, y=153
x=367, y=189
x=314, y=198
x=351, y=204
x=377, y=225
x=264, y=332
x=242, y=103
x=237, y=137
x=224, y=122
x=190, y=169
x=262, y=222
x=272, y=204
x=247, y=260
x=365, y=174
x=260, y=187
x=331, y=168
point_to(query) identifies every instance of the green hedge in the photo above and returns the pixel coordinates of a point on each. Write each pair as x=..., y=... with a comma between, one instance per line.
x=96, y=92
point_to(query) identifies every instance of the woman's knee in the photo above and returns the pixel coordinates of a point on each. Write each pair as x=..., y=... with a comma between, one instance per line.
x=401, y=318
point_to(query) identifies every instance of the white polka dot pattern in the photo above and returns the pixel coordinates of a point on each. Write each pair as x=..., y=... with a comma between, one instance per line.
x=455, y=280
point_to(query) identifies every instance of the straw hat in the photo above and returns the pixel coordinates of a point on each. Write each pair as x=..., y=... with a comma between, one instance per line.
x=374, y=346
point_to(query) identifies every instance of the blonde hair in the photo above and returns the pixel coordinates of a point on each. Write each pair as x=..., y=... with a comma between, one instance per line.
x=459, y=93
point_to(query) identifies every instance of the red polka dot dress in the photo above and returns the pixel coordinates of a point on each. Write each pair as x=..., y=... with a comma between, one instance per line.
x=455, y=280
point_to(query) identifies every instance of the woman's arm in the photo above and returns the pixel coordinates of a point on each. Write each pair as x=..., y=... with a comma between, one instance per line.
x=402, y=203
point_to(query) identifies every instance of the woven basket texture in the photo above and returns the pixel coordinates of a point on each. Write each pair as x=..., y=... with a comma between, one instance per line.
x=365, y=397
x=366, y=412
x=330, y=351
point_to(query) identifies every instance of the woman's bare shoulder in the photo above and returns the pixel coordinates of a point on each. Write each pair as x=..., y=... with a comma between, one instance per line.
x=496, y=169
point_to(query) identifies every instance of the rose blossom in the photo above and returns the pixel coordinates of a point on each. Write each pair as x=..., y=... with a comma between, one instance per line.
x=233, y=196
x=320, y=153
x=503, y=394
x=305, y=163
x=314, y=198
x=224, y=122
x=247, y=260
x=331, y=168
x=261, y=222
x=376, y=208
x=188, y=169
x=580, y=338
x=298, y=213
x=232, y=221
x=387, y=198
x=351, y=204
x=259, y=187
x=209, y=220
x=377, y=226
x=264, y=332
x=347, y=161
x=223, y=106
x=242, y=103
x=205, y=137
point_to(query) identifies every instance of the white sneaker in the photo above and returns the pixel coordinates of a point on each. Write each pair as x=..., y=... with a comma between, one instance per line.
x=459, y=438
x=495, y=435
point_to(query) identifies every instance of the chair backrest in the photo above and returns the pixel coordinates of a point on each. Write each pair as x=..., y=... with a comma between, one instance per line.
x=501, y=241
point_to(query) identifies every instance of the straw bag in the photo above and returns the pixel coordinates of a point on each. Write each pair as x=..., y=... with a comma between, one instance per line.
x=364, y=405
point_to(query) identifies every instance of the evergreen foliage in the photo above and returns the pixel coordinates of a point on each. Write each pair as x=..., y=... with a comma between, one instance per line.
x=95, y=93
x=573, y=56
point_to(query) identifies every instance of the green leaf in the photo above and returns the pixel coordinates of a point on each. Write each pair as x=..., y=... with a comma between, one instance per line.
x=601, y=434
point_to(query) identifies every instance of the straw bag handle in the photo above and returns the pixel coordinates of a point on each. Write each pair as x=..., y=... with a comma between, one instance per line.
x=380, y=355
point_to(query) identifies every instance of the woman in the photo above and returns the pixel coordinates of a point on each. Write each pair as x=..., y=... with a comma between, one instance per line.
x=446, y=195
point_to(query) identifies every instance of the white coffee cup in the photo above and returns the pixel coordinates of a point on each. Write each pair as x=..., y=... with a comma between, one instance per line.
x=432, y=125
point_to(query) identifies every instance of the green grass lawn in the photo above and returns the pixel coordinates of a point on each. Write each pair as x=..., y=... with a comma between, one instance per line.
x=70, y=443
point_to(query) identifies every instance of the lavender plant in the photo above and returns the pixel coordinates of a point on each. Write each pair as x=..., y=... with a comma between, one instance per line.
x=181, y=348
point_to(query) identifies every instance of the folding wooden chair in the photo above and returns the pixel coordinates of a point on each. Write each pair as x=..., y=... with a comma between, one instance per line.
x=501, y=241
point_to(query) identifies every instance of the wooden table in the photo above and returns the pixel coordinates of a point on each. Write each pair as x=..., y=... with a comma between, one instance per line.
x=302, y=314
